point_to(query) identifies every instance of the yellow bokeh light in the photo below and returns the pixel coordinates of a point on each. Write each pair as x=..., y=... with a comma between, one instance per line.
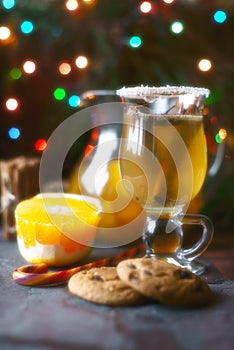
x=222, y=133
x=4, y=33
x=204, y=65
x=64, y=68
x=29, y=67
x=205, y=110
x=12, y=104
x=81, y=62
x=72, y=5
x=146, y=7
x=89, y=2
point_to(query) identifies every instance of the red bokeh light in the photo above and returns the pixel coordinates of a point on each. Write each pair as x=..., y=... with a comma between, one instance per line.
x=40, y=145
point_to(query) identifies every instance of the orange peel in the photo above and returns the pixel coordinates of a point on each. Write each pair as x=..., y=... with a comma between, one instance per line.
x=51, y=226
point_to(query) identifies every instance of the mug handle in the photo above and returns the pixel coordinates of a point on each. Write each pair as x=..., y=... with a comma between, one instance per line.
x=206, y=237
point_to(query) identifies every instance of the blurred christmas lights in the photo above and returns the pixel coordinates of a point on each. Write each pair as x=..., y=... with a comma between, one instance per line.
x=222, y=133
x=220, y=16
x=14, y=133
x=64, y=68
x=72, y=5
x=168, y=1
x=213, y=119
x=204, y=65
x=12, y=104
x=59, y=94
x=40, y=145
x=135, y=41
x=145, y=7
x=89, y=2
x=218, y=139
x=205, y=110
x=81, y=62
x=4, y=33
x=15, y=73
x=177, y=27
x=26, y=27
x=8, y=4
x=29, y=67
x=74, y=101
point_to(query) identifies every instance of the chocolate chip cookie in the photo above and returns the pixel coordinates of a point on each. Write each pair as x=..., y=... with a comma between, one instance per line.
x=103, y=286
x=164, y=282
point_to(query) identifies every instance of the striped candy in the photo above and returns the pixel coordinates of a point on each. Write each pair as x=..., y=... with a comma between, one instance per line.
x=38, y=275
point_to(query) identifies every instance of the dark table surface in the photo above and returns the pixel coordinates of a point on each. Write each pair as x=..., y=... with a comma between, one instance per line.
x=51, y=318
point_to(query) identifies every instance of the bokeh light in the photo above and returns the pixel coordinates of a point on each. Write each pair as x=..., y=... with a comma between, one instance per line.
x=4, y=33
x=81, y=62
x=168, y=1
x=59, y=94
x=89, y=2
x=213, y=119
x=220, y=16
x=135, y=41
x=40, y=145
x=72, y=5
x=26, y=27
x=15, y=73
x=222, y=133
x=145, y=7
x=218, y=139
x=14, y=133
x=205, y=110
x=8, y=4
x=64, y=68
x=177, y=27
x=12, y=104
x=29, y=67
x=204, y=65
x=74, y=101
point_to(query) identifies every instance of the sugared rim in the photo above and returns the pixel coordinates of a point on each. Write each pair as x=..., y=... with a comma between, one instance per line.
x=151, y=92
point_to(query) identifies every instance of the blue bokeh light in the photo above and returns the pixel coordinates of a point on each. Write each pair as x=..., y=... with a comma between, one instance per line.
x=8, y=4
x=220, y=16
x=26, y=27
x=14, y=133
x=177, y=27
x=74, y=101
x=135, y=41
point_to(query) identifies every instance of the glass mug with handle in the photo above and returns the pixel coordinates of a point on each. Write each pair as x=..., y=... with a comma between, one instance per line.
x=163, y=162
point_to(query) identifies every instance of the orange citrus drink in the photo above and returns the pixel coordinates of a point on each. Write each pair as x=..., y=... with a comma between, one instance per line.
x=118, y=208
x=121, y=217
x=56, y=229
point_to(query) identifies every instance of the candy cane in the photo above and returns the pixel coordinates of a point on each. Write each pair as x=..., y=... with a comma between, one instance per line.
x=38, y=275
